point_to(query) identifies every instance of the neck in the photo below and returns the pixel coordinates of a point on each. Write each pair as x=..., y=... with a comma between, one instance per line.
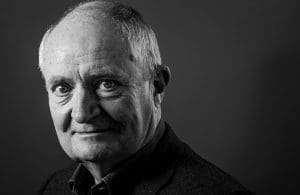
x=98, y=171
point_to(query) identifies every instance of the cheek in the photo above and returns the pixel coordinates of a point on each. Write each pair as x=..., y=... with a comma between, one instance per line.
x=60, y=120
x=122, y=110
x=132, y=110
x=60, y=116
x=126, y=112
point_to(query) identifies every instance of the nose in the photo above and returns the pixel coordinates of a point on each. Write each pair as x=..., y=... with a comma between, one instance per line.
x=85, y=106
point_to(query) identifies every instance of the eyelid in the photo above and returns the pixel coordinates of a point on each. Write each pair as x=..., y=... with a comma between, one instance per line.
x=113, y=92
x=63, y=84
x=55, y=80
x=55, y=85
x=99, y=81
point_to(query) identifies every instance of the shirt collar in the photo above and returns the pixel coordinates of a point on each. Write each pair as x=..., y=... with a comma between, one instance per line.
x=125, y=173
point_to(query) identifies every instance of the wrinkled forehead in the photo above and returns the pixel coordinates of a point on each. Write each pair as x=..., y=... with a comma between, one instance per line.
x=79, y=34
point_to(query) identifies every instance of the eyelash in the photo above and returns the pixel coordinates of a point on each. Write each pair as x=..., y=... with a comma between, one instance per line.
x=102, y=92
x=112, y=92
x=100, y=82
x=65, y=85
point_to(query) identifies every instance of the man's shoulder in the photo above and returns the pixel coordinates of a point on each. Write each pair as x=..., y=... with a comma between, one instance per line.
x=193, y=174
x=57, y=183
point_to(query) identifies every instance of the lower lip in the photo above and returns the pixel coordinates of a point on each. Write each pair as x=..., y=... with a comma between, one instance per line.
x=92, y=136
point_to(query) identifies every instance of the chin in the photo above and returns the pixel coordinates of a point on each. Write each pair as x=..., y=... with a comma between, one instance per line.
x=94, y=152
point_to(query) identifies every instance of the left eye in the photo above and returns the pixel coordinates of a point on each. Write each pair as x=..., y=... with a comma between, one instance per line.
x=107, y=85
x=62, y=90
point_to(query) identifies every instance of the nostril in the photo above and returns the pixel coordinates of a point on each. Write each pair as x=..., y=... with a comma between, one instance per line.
x=86, y=112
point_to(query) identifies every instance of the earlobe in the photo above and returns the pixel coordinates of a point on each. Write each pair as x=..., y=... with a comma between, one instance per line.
x=158, y=99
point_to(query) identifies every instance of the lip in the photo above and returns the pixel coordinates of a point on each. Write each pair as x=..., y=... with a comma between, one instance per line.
x=91, y=132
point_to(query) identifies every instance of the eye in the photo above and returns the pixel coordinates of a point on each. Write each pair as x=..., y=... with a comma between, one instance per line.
x=107, y=85
x=62, y=90
x=108, y=88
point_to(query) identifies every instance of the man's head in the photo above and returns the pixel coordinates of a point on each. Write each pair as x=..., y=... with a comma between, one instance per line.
x=105, y=81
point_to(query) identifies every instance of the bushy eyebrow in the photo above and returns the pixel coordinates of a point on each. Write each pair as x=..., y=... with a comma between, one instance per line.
x=109, y=73
x=54, y=80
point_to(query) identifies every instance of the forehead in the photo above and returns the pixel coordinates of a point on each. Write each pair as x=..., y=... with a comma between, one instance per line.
x=91, y=44
x=79, y=34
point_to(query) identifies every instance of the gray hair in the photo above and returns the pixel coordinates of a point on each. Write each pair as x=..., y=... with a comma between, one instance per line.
x=131, y=24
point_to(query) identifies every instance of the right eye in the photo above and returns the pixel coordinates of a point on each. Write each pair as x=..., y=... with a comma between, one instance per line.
x=62, y=90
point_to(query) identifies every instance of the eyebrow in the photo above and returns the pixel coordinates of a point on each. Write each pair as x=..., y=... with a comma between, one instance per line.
x=118, y=77
x=109, y=73
x=57, y=79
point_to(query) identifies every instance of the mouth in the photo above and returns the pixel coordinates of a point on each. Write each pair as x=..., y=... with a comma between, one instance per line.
x=92, y=132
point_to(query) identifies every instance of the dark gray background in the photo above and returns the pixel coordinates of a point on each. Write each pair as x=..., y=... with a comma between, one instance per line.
x=234, y=94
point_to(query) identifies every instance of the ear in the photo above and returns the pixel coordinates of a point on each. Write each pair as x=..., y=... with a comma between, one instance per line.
x=162, y=77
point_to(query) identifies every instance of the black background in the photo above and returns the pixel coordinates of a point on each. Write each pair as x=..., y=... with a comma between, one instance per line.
x=233, y=96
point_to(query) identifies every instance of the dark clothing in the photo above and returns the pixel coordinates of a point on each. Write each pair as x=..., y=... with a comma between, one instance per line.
x=167, y=167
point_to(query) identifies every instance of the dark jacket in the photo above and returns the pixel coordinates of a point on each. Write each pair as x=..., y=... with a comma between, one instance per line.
x=173, y=168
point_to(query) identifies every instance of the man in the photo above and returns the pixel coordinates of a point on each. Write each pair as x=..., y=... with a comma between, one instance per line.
x=105, y=83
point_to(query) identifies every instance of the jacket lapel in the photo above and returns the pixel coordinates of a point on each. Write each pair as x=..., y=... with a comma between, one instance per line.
x=161, y=166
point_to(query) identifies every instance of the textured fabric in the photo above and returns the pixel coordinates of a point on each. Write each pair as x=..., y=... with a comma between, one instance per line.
x=172, y=168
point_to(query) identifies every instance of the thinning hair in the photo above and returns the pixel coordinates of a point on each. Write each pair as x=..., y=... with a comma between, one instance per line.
x=129, y=22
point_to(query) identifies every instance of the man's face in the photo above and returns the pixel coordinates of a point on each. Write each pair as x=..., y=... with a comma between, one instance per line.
x=101, y=106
